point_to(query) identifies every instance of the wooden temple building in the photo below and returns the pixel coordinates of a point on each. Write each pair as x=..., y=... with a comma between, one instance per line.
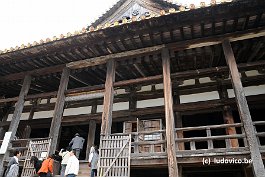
x=163, y=89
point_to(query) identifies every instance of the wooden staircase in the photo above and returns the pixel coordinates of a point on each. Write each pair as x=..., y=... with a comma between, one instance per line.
x=84, y=169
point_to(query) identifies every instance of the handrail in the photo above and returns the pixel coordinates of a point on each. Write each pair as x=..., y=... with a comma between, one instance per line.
x=35, y=139
x=259, y=123
x=210, y=138
x=141, y=133
x=210, y=126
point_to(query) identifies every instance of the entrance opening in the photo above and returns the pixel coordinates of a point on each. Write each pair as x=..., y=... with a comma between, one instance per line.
x=149, y=172
x=258, y=115
x=216, y=171
x=39, y=133
x=68, y=132
x=197, y=120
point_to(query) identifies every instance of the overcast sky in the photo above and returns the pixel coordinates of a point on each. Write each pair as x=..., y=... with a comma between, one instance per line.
x=23, y=21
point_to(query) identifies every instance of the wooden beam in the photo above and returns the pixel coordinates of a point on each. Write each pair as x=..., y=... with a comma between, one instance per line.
x=104, y=59
x=123, y=115
x=36, y=72
x=151, y=79
x=16, y=116
x=184, y=90
x=90, y=137
x=58, y=110
x=217, y=39
x=182, y=45
x=257, y=164
x=108, y=99
x=170, y=125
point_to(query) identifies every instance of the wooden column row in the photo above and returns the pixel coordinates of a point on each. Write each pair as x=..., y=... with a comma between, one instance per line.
x=58, y=110
x=243, y=109
x=16, y=117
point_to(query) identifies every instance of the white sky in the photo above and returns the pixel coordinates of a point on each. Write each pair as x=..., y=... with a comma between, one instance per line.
x=23, y=21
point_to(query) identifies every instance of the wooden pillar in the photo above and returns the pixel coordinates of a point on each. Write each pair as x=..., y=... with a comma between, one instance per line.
x=132, y=100
x=178, y=117
x=94, y=107
x=58, y=110
x=19, y=106
x=169, y=114
x=108, y=99
x=6, y=112
x=257, y=165
x=227, y=115
x=32, y=110
x=26, y=132
x=2, y=133
x=90, y=137
x=16, y=116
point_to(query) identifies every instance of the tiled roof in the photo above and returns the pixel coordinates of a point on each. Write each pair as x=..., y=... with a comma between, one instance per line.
x=110, y=25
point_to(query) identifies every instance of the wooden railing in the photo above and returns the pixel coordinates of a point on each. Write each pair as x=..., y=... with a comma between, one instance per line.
x=260, y=133
x=215, y=137
x=148, y=142
x=21, y=145
x=210, y=139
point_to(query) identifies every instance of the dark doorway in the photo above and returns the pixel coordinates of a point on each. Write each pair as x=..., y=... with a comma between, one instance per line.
x=39, y=133
x=150, y=172
x=216, y=171
x=68, y=132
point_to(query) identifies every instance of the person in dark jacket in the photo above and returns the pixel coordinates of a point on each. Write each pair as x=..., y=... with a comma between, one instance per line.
x=77, y=144
x=36, y=162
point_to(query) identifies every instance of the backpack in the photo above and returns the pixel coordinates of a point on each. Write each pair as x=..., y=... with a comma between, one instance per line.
x=13, y=171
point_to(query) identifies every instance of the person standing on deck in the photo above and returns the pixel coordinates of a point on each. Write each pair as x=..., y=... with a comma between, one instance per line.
x=65, y=157
x=46, y=169
x=72, y=166
x=36, y=163
x=77, y=144
x=93, y=160
x=13, y=165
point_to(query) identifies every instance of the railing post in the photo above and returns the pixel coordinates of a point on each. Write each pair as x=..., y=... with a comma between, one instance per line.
x=256, y=134
x=136, y=140
x=192, y=145
x=209, y=142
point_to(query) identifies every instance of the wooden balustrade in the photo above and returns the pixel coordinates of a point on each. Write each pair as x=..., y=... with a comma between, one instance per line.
x=260, y=133
x=154, y=142
x=147, y=141
x=209, y=138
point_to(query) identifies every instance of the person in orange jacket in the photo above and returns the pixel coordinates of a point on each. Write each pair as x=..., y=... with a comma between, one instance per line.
x=46, y=169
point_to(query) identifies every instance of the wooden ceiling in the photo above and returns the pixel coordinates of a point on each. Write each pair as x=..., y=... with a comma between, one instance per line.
x=184, y=26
